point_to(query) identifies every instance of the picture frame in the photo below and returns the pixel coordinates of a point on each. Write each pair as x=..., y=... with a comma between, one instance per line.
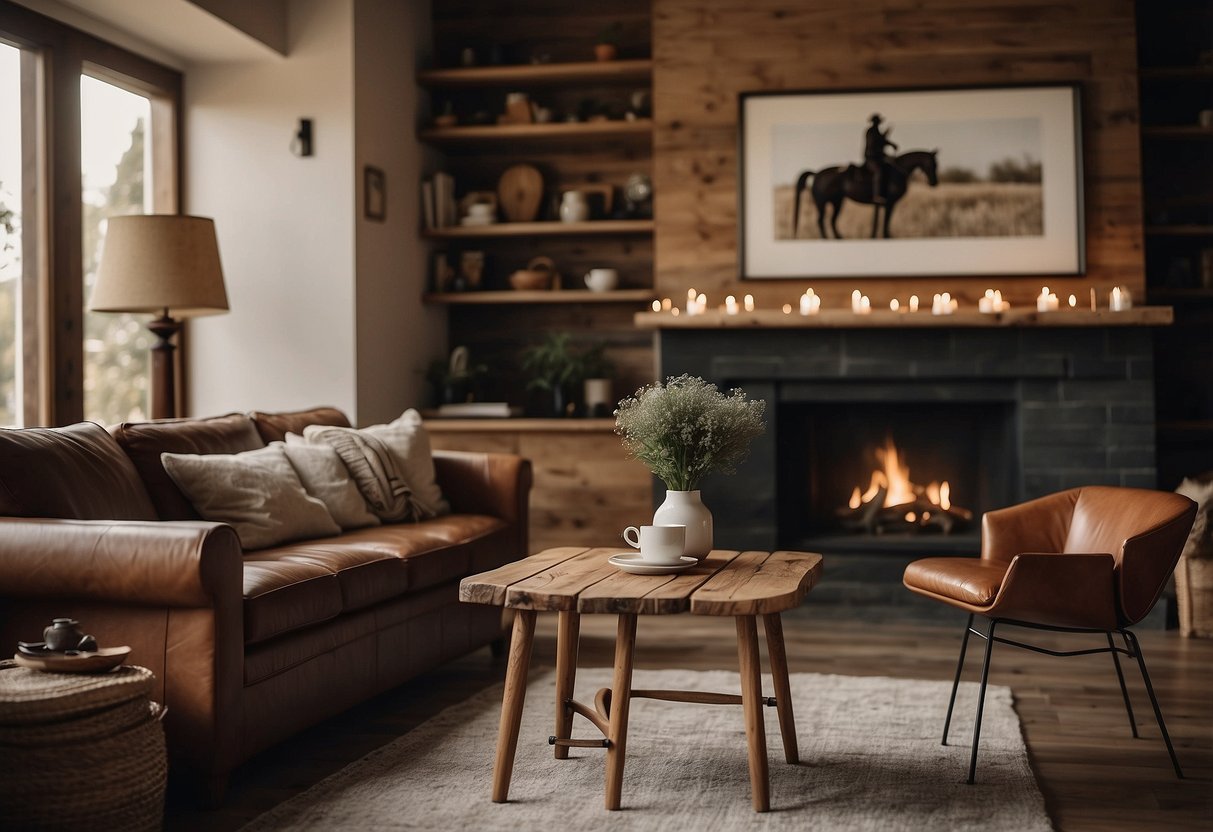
x=374, y=194
x=973, y=181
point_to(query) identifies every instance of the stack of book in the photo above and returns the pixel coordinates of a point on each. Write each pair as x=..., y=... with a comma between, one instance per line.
x=438, y=204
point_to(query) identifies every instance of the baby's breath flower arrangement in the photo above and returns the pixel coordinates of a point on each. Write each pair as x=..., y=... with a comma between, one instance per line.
x=686, y=429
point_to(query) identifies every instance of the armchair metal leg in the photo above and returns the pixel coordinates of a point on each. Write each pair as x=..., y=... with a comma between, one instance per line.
x=960, y=663
x=1124, y=691
x=981, y=699
x=1162, y=726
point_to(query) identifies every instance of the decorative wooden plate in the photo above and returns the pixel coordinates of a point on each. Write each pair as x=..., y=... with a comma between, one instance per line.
x=104, y=659
x=520, y=190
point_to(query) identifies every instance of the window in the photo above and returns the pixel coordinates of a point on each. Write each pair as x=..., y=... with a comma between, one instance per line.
x=101, y=123
x=116, y=180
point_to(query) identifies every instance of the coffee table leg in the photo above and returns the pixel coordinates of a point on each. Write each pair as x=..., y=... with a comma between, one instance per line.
x=567, y=632
x=621, y=697
x=511, y=706
x=783, y=688
x=751, y=703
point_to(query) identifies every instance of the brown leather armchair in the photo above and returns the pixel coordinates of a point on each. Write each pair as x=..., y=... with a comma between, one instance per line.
x=1087, y=560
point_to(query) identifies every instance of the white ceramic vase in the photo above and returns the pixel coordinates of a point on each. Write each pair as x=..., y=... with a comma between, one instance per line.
x=686, y=508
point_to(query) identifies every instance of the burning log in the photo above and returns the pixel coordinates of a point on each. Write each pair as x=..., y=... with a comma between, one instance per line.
x=893, y=503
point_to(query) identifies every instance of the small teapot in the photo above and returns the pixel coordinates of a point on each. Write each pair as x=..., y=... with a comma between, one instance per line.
x=63, y=634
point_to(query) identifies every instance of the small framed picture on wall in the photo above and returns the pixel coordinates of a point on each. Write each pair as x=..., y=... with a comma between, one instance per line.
x=374, y=194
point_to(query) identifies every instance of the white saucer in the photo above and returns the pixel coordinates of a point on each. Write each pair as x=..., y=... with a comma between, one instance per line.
x=634, y=563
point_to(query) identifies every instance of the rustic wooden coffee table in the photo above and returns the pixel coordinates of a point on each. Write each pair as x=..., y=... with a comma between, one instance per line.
x=572, y=581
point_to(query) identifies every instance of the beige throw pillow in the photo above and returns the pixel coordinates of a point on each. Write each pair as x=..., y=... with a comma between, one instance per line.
x=1200, y=539
x=255, y=492
x=324, y=476
x=392, y=465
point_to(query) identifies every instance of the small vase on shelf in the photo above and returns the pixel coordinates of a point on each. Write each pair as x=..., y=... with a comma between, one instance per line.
x=686, y=508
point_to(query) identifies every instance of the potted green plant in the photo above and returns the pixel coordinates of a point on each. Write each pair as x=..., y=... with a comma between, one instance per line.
x=606, y=47
x=596, y=372
x=553, y=367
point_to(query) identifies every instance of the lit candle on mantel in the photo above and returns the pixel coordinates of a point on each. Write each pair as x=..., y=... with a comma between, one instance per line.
x=656, y=306
x=913, y=303
x=1120, y=299
x=701, y=304
x=1046, y=301
x=730, y=305
x=992, y=302
x=894, y=305
x=1073, y=302
x=810, y=302
x=787, y=309
x=749, y=303
x=944, y=304
x=675, y=311
x=860, y=304
x=666, y=304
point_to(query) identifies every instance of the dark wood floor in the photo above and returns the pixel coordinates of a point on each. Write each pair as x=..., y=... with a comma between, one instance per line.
x=1094, y=775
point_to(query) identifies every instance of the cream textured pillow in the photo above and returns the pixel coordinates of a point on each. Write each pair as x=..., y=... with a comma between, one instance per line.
x=1200, y=539
x=392, y=465
x=324, y=476
x=255, y=492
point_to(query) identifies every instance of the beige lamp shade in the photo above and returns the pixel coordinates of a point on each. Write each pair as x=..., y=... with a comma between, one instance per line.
x=155, y=262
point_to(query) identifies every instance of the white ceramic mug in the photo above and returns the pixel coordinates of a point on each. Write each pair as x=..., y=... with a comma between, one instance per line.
x=601, y=280
x=657, y=544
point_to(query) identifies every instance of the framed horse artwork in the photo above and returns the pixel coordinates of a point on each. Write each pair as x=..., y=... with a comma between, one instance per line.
x=956, y=181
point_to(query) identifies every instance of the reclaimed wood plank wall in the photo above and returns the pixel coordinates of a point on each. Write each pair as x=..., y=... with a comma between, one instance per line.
x=707, y=51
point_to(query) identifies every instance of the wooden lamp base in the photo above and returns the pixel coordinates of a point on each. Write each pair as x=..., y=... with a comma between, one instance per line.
x=164, y=388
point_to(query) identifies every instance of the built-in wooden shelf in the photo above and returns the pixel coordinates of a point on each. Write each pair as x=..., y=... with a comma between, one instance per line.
x=1178, y=131
x=572, y=425
x=882, y=318
x=1177, y=73
x=1179, y=230
x=541, y=229
x=558, y=296
x=555, y=131
x=586, y=72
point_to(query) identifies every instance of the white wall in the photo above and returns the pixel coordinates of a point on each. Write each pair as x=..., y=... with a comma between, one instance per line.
x=285, y=224
x=396, y=335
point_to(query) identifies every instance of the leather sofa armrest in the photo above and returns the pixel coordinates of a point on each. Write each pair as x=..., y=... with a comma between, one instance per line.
x=1066, y=590
x=485, y=483
x=1039, y=525
x=189, y=564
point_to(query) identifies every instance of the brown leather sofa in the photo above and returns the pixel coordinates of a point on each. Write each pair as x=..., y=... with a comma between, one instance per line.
x=247, y=648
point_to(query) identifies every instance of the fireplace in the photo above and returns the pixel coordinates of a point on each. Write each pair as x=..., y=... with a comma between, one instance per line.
x=892, y=476
x=1004, y=414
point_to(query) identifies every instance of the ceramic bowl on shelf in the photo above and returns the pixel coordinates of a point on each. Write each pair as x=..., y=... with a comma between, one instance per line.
x=538, y=276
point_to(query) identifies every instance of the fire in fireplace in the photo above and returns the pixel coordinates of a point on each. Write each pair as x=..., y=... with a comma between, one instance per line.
x=895, y=503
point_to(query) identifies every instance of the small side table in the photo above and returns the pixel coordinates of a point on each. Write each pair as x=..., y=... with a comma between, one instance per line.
x=81, y=750
x=572, y=581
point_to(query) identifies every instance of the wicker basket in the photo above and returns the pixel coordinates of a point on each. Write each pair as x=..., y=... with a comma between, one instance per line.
x=80, y=751
x=1194, y=594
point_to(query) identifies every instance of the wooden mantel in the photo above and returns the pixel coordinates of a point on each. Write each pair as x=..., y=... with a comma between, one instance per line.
x=886, y=319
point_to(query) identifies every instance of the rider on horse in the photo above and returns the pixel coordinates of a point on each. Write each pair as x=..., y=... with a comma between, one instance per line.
x=874, y=158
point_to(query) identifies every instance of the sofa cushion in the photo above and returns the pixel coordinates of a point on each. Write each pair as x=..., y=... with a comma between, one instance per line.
x=327, y=479
x=77, y=472
x=274, y=427
x=145, y=441
x=256, y=492
x=392, y=464
x=281, y=594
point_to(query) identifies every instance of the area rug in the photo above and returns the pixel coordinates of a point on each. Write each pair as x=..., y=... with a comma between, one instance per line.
x=869, y=746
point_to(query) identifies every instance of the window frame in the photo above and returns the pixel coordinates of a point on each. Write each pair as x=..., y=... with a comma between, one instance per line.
x=57, y=55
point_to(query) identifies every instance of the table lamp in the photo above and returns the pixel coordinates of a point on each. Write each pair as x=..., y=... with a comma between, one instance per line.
x=166, y=264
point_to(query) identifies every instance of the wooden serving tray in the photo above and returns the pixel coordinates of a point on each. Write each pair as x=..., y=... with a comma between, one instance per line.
x=99, y=661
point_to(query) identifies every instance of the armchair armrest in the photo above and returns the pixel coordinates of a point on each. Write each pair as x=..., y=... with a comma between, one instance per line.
x=1039, y=525
x=1068, y=590
x=188, y=564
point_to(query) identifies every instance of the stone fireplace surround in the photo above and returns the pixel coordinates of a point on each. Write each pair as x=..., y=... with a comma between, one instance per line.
x=1081, y=399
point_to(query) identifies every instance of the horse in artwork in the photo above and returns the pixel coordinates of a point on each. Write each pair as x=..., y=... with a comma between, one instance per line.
x=834, y=184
